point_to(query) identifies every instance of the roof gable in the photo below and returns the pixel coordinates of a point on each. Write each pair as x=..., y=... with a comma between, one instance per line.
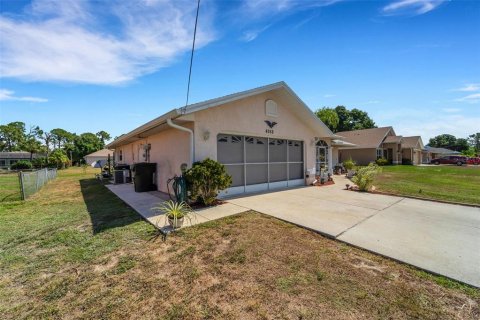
x=366, y=138
x=414, y=142
x=301, y=110
x=100, y=153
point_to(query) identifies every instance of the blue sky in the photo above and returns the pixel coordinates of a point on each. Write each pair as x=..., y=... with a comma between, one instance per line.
x=105, y=65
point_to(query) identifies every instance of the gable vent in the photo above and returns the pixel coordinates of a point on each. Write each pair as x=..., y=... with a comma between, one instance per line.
x=271, y=108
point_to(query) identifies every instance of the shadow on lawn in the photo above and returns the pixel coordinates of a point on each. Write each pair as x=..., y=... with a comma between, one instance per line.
x=105, y=209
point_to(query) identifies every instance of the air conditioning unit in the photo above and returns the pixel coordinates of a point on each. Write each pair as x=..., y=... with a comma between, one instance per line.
x=119, y=176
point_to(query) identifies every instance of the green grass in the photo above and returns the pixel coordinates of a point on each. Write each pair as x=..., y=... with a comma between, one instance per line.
x=9, y=187
x=446, y=183
x=74, y=250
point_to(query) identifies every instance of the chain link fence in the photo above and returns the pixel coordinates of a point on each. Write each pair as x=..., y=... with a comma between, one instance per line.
x=31, y=182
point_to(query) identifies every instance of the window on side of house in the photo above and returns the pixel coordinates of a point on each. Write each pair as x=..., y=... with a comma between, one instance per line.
x=379, y=153
x=120, y=156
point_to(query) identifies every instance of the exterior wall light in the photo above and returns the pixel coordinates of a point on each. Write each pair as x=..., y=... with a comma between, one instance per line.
x=206, y=135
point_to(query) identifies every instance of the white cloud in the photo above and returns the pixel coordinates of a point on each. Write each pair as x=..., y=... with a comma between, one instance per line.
x=251, y=35
x=261, y=8
x=9, y=95
x=471, y=98
x=451, y=110
x=98, y=42
x=415, y=7
x=271, y=11
x=470, y=87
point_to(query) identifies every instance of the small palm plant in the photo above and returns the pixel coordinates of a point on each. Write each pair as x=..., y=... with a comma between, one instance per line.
x=175, y=212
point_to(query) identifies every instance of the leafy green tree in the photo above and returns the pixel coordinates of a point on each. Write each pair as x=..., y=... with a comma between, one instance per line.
x=443, y=141
x=345, y=119
x=470, y=152
x=84, y=144
x=461, y=145
x=58, y=158
x=474, y=141
x=44, y=136
x=361, y=120
x=449, y=141
x=328, y=116
x=103, y=136
x=32, y=145
x=61, y=137
x=12, y=135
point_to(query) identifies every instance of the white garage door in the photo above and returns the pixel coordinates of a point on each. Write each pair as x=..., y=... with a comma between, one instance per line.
x=259, y=163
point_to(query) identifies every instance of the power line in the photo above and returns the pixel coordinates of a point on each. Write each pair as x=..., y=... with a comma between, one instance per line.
x=191, y=57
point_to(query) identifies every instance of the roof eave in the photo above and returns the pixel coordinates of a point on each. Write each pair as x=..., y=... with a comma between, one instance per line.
x=147, y=126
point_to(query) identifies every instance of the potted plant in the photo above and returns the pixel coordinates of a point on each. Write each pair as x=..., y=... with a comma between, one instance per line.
x=175, y=212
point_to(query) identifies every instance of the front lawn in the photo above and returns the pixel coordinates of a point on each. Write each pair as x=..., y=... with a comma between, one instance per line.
x=9, y=187
x=74, y=250
x=447, y=183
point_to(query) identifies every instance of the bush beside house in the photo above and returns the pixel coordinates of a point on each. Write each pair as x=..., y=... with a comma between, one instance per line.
x=206, y=179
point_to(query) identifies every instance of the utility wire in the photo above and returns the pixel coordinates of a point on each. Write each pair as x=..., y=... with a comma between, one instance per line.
x=191, y=58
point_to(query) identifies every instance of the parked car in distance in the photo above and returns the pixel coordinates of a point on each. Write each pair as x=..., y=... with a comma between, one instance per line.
x=458, y=160
x=474, y=160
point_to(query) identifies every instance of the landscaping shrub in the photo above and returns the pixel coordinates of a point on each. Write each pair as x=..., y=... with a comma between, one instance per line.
x=205, y=179
x=382, y=162
x=39, y=163
x=406, y=161
x=365, y=176
x=21, y=165
x=58, y=159
x=349, y=164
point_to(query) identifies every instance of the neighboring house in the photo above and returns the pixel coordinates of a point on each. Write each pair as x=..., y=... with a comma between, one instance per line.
x=266, y=137
x=430, y=153
x=372, y=144
x=9, y=158
x=412, y=148
x=98, y=155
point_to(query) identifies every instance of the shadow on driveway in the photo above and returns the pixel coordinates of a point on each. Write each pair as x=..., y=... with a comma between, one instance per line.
x=105, y=209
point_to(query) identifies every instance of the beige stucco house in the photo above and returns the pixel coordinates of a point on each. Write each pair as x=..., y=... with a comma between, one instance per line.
x=266, y=137
x=100, y=155
x=372, y=144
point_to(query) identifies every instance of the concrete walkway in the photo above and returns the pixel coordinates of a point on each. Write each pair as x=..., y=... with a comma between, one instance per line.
x=440, y=238
x=143, y=202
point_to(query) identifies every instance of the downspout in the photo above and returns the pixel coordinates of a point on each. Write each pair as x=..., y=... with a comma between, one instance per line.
x=192, y=144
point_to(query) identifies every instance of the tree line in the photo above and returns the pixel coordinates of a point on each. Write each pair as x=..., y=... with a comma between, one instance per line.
x=340, y=119
x=58, y=145
x=469, y=146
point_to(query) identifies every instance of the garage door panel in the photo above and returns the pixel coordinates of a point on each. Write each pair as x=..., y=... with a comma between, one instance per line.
x=237, y=173
x=295, y=171
x=230, y=149
x=256, y=149
x=257, y=173
x=278, y=172
x=278, y=150
x=295, y=151
x=260, y=163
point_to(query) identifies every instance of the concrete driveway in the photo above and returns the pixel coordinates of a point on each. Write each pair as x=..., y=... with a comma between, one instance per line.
x=441, y=238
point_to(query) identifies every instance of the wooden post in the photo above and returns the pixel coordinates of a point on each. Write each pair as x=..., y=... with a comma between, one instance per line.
x=22, y=190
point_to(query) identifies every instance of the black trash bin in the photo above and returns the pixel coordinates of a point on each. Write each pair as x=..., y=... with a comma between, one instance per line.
x=144, y=178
